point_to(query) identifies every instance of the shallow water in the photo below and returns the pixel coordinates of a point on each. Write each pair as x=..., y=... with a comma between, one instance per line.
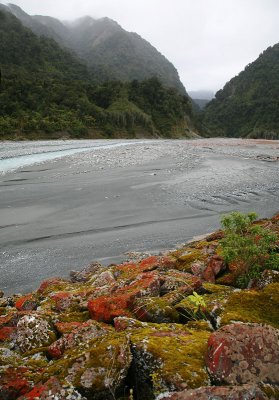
x=43, y=151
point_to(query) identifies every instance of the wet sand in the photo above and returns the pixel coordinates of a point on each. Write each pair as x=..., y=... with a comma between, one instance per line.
x=61, y=215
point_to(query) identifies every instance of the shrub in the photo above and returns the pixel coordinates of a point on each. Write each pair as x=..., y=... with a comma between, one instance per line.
x=248, y=247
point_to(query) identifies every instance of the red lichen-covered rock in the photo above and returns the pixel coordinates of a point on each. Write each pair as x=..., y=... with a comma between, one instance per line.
x=52, y=389
x=244, y=353
x=106, y=308
x=34, y=332
x=7, y=333
x=81, y=334
x=26, y=303
x=150, y=263
x=66, y=327
x=214, y=267
x=247, y=392
x=52, y=285
x=10, y=319
x=14, y=383
x=62, y=301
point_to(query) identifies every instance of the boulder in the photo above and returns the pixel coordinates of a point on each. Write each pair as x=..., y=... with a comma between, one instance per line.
x=121, y=303
x=247, y=392
x=33, y=332
x=52, y=389
x=85, y=332
x=97, y=368
x=26, y=303
x=243, y=353
x=214, y=267
x=155, y=309
x=166, y=357
x=260, y=306
x=267, y=277
x=173, y=280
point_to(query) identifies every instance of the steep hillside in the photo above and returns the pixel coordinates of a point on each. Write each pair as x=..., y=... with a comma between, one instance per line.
x=46, y=92
x=248, y=105
x=109, y=50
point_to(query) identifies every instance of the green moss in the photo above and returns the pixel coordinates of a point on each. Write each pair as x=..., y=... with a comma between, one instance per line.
x=174, y=358
x=272, y=392
x=253, y=306
x=187, y=258
x=97, y=365
x=213, y=288
x=81, y=316
x=155, y=309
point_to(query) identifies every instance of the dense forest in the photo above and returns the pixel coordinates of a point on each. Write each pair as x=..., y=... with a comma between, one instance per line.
x=46, y=92
x=248, y=105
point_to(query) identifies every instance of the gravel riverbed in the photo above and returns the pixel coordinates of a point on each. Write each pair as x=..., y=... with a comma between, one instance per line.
x=119, y=196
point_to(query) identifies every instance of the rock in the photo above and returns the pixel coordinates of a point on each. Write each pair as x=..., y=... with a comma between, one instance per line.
x=175, y=279
x=26, y=303
x=247, y=392
x=66, y=327
x=166, y=358
x=1, y=294
x=121, y=303
x=243, y=353
x=252, y=306
x=267, y=277
x=14, y=382
x=7, y=334
x=85, y=332
x=63, y=301
x=197, y=268
x=52, y=389
x=97, y=368
x=86, y=273
x=34, y=332
x=214, y=267
x=105, y=278
x=52, y=285
x=155, y=309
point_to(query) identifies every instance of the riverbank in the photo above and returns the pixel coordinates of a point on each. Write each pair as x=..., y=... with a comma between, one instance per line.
x=174, y=326
x=151, y=196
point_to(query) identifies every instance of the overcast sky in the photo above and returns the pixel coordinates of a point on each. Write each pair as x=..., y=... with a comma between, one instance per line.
x=208, y=41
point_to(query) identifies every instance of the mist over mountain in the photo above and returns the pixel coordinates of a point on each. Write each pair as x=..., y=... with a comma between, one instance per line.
x=46, y=91
x=109, y=51
x=248, y=105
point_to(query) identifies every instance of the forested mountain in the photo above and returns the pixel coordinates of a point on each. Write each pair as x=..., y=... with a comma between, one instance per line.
x=46, y=92
x=248, y=105
x=109, y=51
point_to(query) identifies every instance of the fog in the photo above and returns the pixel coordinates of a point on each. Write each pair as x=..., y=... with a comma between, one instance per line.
x=208, y=41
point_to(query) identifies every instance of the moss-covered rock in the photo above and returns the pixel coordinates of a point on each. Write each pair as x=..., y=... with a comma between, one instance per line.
x=168, y=359
x=259, y=306
x=155, y=309
x=96, y=368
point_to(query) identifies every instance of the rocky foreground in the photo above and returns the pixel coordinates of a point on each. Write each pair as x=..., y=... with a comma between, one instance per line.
x=172, y=327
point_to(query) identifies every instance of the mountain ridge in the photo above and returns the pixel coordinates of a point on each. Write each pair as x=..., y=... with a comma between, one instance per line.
x=47, y=92
x=248, y=105
x=123, y=55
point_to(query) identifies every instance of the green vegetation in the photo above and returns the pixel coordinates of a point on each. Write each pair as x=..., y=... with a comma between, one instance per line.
x=248, y=105
x=45, y=92
x=247, y=248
